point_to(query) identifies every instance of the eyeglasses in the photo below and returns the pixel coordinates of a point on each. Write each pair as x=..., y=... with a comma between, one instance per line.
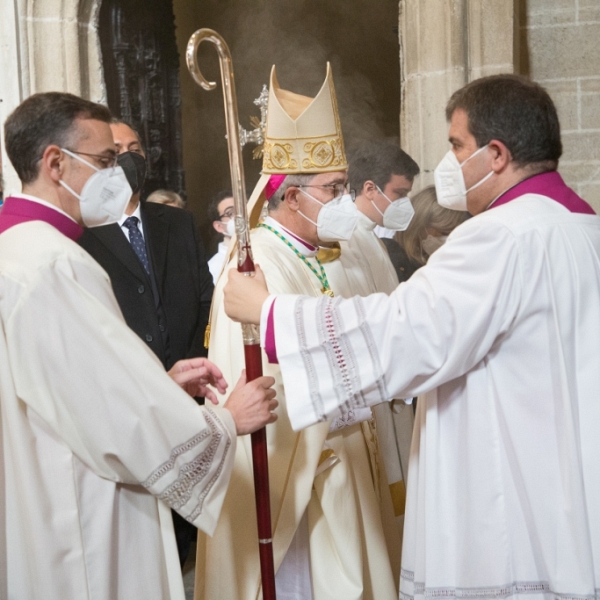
x=228, y=213
x=107, y=162
x=338, y=189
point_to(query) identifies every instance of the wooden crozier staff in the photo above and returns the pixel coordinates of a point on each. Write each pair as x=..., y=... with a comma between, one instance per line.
x=251, y=333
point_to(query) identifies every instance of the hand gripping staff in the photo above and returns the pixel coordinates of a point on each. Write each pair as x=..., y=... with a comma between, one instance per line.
x=251, y=333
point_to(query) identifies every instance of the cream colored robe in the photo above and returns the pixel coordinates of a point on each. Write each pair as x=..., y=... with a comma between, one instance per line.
x=349, y=560
x=93, y=436
x=365, y=268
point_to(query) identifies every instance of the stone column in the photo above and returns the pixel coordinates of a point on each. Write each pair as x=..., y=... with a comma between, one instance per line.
x=13, y=82
x=47, y=45
x=444, y=44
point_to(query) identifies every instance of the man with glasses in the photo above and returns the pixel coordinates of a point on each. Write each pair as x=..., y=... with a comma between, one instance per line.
x=157, y=266
x=96, y=441
x=221, y=213
x=328, y=539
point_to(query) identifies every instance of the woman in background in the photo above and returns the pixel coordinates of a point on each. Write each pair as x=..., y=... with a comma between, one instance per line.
x=428, y=230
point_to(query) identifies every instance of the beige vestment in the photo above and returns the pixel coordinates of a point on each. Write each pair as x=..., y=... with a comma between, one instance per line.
x=348, y=555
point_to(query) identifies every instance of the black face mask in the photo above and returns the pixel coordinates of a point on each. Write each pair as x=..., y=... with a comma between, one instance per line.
x=134, y=167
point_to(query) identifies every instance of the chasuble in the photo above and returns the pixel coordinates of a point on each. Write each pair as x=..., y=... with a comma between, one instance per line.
x=321, y=483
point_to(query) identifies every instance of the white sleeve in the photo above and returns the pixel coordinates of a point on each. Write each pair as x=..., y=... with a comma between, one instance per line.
x=107, y=397
x=361, y=351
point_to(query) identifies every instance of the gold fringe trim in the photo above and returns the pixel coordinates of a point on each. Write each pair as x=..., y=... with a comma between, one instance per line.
x=328, y=453
x=398, y=494
x=326, y=255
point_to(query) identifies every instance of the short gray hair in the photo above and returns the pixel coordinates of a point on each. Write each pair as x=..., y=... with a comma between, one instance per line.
x=290, y=181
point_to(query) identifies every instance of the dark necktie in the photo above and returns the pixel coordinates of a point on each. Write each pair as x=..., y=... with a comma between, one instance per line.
x=137, y=241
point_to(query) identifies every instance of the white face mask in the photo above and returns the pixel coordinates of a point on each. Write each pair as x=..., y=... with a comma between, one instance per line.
x=432, y=243
x=337, y=219
x=450, y=183
x=229, y=227
x=398, y=215
x=104, y=196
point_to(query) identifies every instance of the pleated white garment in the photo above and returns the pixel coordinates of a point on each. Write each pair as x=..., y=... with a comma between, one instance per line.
x=365, y=268
x=500, y=334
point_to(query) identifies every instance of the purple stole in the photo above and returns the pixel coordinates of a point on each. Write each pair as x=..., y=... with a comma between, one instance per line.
x=552, y=186
x=20, y=210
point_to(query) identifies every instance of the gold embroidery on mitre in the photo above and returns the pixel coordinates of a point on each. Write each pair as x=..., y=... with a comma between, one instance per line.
x=303, y=135
x=278, y=156
x=323, y=154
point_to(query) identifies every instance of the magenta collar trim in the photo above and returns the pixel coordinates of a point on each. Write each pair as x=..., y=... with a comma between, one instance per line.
x=20, y=210
x=551, y=185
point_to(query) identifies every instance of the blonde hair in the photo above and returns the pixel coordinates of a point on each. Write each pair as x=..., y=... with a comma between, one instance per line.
x=428, y=215
x=166, y=197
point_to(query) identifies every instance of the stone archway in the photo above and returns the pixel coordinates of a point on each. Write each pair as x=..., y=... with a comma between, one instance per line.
x=47, y=45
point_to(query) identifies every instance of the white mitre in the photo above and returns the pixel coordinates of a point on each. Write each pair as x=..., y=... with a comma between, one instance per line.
x=302, y=135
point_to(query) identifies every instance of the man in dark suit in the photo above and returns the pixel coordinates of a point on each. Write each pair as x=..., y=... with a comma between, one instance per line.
x=158, y=269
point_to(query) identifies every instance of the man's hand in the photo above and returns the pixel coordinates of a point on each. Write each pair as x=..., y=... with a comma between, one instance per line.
x=252, y=404
x=245, y=296
x=195, y=374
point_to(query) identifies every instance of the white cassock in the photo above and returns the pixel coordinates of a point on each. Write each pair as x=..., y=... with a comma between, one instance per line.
x=327, y=531
x=365, y=268
x=499, y=333
x=96, y=439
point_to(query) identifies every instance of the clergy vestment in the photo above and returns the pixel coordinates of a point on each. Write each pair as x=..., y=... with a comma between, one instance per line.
x=499, y=334
x=96, y=439
x=364, y=268
x=323, y=501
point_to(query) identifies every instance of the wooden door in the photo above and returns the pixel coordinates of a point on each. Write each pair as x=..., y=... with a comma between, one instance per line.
x=141, y=72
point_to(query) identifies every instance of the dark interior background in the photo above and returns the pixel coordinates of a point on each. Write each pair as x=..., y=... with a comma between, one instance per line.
x=358, y=37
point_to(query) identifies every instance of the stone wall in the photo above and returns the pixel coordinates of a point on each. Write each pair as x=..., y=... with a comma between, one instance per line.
x=46, y=45
x=447, y=43
x=560, y=49
x=444, y=45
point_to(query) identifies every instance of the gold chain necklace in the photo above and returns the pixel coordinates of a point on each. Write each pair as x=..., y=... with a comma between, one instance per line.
x=321, y=277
